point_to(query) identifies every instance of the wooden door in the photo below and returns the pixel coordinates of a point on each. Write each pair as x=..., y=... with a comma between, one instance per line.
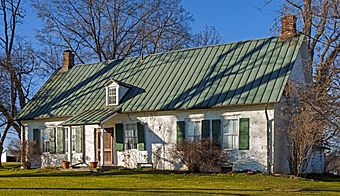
x=108, y=146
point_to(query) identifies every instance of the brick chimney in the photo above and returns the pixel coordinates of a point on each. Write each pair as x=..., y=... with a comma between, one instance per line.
x=68, y=60
x=288, y=29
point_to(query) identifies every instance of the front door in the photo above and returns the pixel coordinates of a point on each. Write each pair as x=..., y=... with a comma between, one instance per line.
x=108, y=146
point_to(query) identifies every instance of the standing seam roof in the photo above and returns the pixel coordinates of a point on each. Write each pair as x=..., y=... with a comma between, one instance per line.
x=246, y=72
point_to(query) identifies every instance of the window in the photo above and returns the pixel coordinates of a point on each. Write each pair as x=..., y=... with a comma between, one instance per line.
x=194, y=130
x=112, y=95
x=130, y=136
x=60, y=140
x=49, y=140
x=230, y=134
x=36, y=136
x=76, y=139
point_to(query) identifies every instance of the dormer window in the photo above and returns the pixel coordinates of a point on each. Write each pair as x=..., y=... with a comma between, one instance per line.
x=112, y=94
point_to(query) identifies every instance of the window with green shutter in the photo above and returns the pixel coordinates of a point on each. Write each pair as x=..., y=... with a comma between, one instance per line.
x=79, y=139
x=119, y=137
x=60, y=131
x=52, y=138
x=216, y=131
x=36, y=135
x=141, y=137
x=205, y=129
x=180, y=131
x=244, y=134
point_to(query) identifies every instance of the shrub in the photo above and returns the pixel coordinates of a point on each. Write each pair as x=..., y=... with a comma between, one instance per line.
x=200, y=155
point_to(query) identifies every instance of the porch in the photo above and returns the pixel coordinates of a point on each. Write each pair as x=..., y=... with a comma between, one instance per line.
x=105, y=140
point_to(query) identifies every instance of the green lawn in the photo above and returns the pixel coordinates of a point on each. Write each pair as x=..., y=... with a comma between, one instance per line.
x=53, y=182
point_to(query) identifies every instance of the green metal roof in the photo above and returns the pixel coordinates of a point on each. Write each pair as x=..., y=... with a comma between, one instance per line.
x=246, y=72
x=96, y=116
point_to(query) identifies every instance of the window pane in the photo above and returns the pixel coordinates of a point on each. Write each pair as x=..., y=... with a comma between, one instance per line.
x=112, y=95
x=130, y=135
x=194, y=130
x=230, y=134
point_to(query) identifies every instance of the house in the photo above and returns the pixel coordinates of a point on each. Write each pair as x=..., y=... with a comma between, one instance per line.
x=9, y=156
x=130, y=111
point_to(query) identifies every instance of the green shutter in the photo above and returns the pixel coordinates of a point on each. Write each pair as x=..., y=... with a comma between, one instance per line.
x=141, y=138
x=244, y=134
x=180, y=131
x=216, y=131
x=60, y=140
x=78, y=139
x=52, y=139
x=205, y=129
x=119, y=137
x=36, y=135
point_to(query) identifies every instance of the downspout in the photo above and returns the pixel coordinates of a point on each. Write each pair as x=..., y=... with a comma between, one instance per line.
x=269, y=143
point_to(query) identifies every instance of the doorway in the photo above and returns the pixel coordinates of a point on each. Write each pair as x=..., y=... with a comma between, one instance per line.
x=108, y=146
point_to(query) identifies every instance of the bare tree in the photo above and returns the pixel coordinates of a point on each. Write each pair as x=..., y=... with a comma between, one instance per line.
x=110, y=29
x=16, y=66
x=308, y=130
x=33, y=151
x=313, y=108
x=208, y=36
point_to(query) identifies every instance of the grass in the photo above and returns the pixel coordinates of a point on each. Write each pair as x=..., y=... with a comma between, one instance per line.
x=133, y=182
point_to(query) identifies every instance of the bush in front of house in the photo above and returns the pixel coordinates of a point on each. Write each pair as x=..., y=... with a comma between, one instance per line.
x=200, y=155
x=33, y=151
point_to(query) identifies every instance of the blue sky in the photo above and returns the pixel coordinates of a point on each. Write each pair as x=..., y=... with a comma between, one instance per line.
x=234, y=19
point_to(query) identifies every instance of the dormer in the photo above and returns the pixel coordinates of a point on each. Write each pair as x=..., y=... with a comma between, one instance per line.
x=114, y=92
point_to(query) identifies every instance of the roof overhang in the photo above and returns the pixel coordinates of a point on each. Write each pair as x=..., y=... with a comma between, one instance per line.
x=90, y=117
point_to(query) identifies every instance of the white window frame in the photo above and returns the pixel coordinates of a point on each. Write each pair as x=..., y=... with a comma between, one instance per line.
x=189, y=124
x=135, y=137
x=112, y=86
x=233, y=134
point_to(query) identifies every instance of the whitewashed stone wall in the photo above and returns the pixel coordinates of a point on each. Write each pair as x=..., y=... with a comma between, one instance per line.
x=161, y=136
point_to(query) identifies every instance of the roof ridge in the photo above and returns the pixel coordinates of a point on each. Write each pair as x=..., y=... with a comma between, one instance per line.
x=182, y=49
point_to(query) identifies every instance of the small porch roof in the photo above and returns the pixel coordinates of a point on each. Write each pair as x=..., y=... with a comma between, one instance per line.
x=96, y=116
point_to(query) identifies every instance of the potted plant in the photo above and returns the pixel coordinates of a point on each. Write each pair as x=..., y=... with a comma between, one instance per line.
x=93, y=165
x=66, y=164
